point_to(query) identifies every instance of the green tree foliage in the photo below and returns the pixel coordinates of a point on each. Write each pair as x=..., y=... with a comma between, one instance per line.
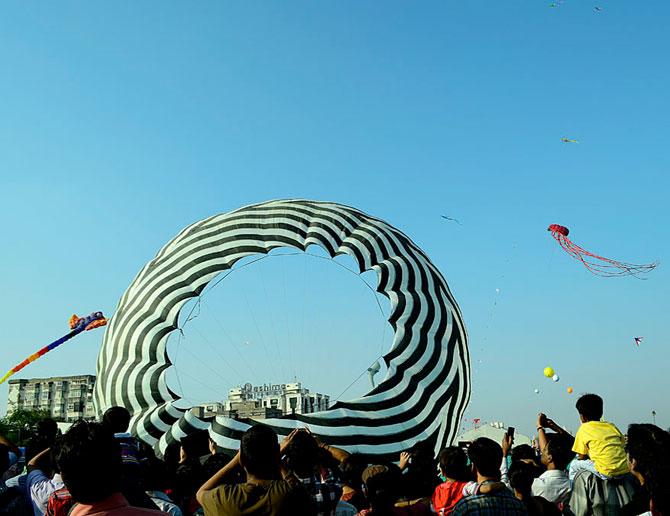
x=19, y=425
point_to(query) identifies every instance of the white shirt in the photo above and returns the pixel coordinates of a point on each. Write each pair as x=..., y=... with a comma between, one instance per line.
x=19, y=481
x=552, y=485
x=41, y=488
x=164, y=503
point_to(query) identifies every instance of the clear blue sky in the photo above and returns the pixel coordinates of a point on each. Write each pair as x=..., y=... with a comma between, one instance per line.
x=123, y=122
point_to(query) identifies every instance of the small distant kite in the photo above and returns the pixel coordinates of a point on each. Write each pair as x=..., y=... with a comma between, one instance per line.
x=638, y=340
x=451, y=219
x=77, y=325
x=569, y=140
x=598, y=9
x=556, y=4
x=598, y=265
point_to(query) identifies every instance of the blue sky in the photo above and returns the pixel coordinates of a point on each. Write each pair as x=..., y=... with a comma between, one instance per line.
x=122, y=123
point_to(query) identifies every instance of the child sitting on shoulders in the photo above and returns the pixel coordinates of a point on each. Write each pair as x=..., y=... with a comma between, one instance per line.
x=455, y=471
x=599, y=445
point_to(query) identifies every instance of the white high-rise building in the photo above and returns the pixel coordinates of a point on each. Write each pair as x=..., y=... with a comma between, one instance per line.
x=67, y=398
x=289, y=398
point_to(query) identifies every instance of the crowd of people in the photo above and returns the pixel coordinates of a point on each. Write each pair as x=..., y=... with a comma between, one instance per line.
x=99, y=468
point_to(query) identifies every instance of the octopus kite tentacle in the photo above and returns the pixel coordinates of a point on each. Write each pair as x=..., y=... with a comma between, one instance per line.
x=597, y=264
x=77, y=325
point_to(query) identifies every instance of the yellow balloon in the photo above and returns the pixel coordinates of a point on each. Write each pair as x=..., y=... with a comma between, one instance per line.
x=548, y=372
x=569, y=390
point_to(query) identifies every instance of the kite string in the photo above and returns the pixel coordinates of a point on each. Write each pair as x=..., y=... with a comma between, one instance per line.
x=230, y=339
x=358, y=377
x=269, y=310
x=209, y=288
x=260, y=334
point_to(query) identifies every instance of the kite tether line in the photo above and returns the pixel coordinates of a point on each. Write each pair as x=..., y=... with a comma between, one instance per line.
x=196, y=311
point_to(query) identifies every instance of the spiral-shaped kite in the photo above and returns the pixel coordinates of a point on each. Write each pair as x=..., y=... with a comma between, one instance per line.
x=427, y=386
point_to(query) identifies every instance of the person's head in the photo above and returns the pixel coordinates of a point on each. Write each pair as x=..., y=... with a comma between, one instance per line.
x=454, y=464
x=302, y=454
x=117, y=419
x=420, y=479
x=557, y=453
x=521, y=476
x=4, y=459
x=44, y=436
x=352, y=468
x=259, y=452
x=380, y=485
x=156, y=477
x=486, y=456
x=590, y=407
x=523, y=452
x=648, y=449
x=89, y=460
x=214, y=463
x=47, y=429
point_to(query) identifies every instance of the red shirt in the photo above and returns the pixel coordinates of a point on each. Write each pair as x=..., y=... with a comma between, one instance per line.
x=446, y=496
x=115, y=505
x=60, y=503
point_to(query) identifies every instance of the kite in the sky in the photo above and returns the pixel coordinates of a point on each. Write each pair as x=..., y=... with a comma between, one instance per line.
x=598, y=265
x=451, y=219
x=77, y=326
x=598, y=9
x=638, y=340
x=569, y=140
x=398, y=419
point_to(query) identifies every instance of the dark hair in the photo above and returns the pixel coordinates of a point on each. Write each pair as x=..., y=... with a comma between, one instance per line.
x=196, y=444
x=213, y=463
x=89, y=460
x=486, y=455
x=649, y=446
x=352, y=468
x=382, y=491
x=521, y=476
x=117, y=419
x=47, y=428
x=259, y=452
x=590, y=406
x=44, y=436
x=420, y=479
x=4, y=459
x=156, y=477
x=523, y=452
x=454, y=464
x=560, y=449
x=302, y=454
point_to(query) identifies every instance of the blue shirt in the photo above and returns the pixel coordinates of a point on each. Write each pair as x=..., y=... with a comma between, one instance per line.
x=501, y=503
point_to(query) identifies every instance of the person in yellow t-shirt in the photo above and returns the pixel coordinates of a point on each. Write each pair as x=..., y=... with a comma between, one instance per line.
x=599, y=445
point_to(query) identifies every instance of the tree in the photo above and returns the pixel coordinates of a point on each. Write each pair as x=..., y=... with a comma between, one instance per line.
x=20, y=424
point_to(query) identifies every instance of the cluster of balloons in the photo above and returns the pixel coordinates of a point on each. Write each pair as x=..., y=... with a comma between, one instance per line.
x=550, y=373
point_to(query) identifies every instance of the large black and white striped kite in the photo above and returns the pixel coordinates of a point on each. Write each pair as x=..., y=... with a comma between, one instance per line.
x=427, y=386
